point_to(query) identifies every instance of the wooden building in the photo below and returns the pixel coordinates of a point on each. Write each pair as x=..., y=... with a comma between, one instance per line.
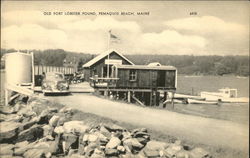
x=98, y=66
x=145, y=77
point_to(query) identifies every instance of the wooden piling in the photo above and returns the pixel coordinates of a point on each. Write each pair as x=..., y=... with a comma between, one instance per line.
x=129, y=96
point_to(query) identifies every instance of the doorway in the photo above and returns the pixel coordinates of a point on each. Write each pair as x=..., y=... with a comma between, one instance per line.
x=161, y=77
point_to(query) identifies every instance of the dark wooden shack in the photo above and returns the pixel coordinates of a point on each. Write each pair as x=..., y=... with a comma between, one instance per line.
x=100, y=66
x=145, y=77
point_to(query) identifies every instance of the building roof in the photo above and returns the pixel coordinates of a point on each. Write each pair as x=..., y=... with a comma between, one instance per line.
x=103, y=55
x=145, y=67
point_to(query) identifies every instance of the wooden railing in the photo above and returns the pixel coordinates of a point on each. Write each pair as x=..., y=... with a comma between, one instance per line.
x=103, y=82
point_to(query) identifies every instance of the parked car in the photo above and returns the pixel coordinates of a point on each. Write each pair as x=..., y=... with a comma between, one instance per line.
x=54, y=82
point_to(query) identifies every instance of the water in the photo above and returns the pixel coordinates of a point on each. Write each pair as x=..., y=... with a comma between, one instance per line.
x=186, y=84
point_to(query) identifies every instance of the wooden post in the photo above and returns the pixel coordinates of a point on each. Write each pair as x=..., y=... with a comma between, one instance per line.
x=129, y=96
x=172, y=99
x=165, y=98
x=105, y=93
x=151, y=98
x=157, y=97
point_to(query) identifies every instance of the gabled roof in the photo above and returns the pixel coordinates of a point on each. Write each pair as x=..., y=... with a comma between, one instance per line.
x=145, y=67
x=103, y=55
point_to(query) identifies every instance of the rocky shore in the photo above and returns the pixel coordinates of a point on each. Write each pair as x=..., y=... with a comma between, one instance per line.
x=34, y=128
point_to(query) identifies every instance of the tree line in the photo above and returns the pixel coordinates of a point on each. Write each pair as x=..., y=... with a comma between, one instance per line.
x=186, y=64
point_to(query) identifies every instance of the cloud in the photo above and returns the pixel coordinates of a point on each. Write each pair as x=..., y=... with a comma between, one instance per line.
x=223, y=38
x=197, y=36
x=101, y=23
x=206, y=25
x=32, y=36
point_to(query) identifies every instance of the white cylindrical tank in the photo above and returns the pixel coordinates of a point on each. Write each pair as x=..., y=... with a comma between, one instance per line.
x=18, y=68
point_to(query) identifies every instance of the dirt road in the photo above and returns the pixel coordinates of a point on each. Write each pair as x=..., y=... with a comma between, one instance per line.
x=197, y=129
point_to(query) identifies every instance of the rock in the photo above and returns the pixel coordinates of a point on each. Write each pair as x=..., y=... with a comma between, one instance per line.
x=53, y=121
x=47, y=130
x=98, y=154
x=9, y=132
x=199, y=153
x=139, y=130
x=6, y=110
x=183, y=154
x=66, y=110
x=105, y=132
x=113, y=143
x=22, y=147
x=31, y=134
x=12, y=118
x=71, y=141
x=143, y=140
x=92, y=138
x=172, y=150
x=6, y=149
x=126, y=135
x=151, y=153
x=72, y=151
x=62, y=120
x=133, y=143
x=156, y=145
x=89, y=150
x=113, y=127
x=121, y=149
x=139, y=134
x=59, y=130
x=45, y=116
x=76, y=156
x=75, y=127
x=111, y=152
x=35, y=153
x=21, y=144
x=27, y=125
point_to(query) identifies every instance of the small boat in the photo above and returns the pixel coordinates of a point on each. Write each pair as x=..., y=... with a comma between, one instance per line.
x=227, y=95
x=193, y=101
x=184, y=96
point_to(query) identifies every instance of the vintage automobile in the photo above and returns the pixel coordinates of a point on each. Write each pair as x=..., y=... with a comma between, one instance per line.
x=54, y=83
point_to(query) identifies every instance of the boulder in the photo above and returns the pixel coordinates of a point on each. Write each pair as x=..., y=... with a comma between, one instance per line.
x=35, y=153
x=113, y=143
x=6, y=149
x=54, y=120
x=172, y=150
x=151, y=153
x=76, y=156
x=105, y=131
x=121, y=149
x=59, y=130
x=45, y=116
x=21, y=144
x=113, y=127
x=12, y=118
x=133, y=143
x=111, y=152
x=71, y=141
x=31, y=134
x=183, y=154
x=9, y=132
x=6, y=110
x=199, y=153
x=75, y=127
x=98, y=154
x=47, y=130
x=92, y=137
x=156, y=145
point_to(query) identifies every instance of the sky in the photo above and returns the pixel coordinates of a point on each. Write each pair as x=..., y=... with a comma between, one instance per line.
x=171, y=28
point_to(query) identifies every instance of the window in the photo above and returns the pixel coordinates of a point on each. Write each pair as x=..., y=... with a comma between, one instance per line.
x=132, y=75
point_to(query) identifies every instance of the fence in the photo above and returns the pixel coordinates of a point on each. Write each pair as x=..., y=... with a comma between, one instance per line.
x=39, y=69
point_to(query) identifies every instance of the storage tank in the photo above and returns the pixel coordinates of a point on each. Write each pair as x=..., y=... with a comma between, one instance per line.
x=18, y=68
